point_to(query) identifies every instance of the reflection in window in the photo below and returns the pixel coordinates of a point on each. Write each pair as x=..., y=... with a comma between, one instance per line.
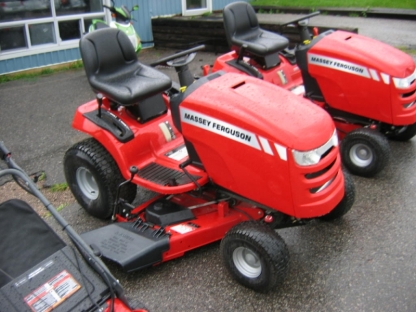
x=41, y=33
x=196, y=4
x=11, y=10
x=12, y=38
x=37, y=8
x=68, y=7
x=69, y=30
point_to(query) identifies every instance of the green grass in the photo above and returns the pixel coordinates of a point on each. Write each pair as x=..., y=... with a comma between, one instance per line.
x=404, y=4
x=59, y=187
x=408, y=50
x=31, y=74
x=59, y=208
x=42, y=176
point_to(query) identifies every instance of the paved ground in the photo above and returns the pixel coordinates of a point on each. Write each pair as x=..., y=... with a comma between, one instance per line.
x=365, y=262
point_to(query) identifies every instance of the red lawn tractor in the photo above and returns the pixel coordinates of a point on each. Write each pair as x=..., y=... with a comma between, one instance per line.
x=368, y=87
x=232, y=157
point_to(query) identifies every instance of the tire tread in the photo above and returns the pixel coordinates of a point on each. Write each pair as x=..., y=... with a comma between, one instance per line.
x=274, y=249
x=108, y=173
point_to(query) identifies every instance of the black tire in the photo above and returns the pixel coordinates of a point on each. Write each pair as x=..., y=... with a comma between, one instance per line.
x=405, y=135
x=255, y=255
x=93, y=177
x=346, y=202
x=365, y=152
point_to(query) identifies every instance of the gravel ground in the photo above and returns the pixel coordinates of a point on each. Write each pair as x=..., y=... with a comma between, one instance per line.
x=59, y=199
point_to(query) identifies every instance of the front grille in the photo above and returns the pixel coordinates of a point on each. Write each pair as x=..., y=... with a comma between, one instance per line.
x=320, y=172
x=405, y=95
x=322, y=187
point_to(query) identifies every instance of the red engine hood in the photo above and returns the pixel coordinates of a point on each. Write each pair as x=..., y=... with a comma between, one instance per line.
x=366, y=52
x=263, y=109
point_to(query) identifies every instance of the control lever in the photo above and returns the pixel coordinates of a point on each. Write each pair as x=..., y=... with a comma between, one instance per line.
x=133, y=171
x=99, y=98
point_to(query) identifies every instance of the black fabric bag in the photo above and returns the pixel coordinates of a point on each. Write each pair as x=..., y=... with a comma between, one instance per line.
x=25, y=239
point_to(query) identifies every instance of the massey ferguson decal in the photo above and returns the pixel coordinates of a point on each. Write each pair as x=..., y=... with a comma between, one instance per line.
x=233, y=132
x=219, y=127
x=337, y=64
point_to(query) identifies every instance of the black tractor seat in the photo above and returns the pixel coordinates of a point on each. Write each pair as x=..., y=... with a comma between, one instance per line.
x=113, y=69
x=244, y=35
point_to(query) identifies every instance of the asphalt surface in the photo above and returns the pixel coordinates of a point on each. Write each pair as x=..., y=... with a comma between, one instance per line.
x=364, y=262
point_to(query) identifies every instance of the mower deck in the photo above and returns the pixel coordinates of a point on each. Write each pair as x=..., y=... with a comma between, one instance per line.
x=166, y=228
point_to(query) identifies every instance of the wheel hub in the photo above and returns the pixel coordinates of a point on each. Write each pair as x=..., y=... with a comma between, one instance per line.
x=361, y=155
x=247, y=262
x=87, y=183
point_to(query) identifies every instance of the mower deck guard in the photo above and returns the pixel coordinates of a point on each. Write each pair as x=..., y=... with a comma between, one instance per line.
x=132, y=245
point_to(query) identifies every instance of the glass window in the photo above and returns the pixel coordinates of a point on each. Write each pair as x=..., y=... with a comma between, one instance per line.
x=11, y=10
x=69, y=30
x=196, y=4
x=37, y=8
x=196, y=7
x=41, y=33
x=12, y=38
x=37, y=24
x=87, y=23
x=69, y=7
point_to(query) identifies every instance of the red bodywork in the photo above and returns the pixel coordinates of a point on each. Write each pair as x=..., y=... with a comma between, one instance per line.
x=263, y=169
x=211, y=222
x=119, y=306
x=148, y=145
x=355, y=75
x=260, y=166
x=286, y=74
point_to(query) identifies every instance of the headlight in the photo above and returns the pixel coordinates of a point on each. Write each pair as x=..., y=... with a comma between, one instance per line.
x=308, y=158
x=404, y=83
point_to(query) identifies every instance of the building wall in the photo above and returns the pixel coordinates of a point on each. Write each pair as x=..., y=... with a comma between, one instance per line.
x=63, y=52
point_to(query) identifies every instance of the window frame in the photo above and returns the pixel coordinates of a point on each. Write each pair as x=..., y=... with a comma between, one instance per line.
x=48, y=47
x=193, y=12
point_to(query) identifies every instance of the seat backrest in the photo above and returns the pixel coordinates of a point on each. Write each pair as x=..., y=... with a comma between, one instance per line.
x=240, y=20
x=105, y=53
x=113, y=69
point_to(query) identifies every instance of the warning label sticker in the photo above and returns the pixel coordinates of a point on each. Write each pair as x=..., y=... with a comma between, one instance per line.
x=178, y=153
x=182, y=228
x=52, y=293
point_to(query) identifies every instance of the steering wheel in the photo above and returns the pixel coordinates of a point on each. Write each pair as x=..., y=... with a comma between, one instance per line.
x=179, y=59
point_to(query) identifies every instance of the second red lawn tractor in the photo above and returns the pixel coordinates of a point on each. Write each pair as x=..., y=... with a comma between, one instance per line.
x=368, y=87
x=231, y=157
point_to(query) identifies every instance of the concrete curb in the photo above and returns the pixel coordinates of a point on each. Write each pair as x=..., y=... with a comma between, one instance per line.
x=353, y=12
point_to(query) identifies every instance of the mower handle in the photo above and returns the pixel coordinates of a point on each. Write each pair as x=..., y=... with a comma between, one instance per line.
x=165, y=60
x=301, y=18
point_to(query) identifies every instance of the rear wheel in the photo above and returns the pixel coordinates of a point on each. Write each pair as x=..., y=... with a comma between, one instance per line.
x=405, y=134
x=94, y=177
x=346, y=202
x=255, y=255
x=365, y=152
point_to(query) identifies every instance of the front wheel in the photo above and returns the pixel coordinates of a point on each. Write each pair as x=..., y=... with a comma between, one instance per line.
x=94, y=177
x=346, y=202
x=255, y=255
x=365, y=152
